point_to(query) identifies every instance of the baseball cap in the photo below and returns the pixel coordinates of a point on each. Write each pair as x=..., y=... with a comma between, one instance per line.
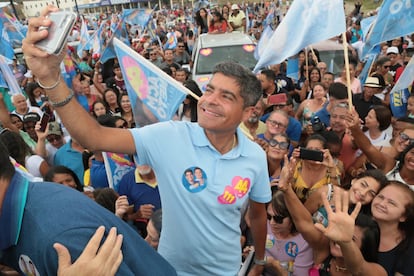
x=393, y=50
x=277, y=99
x=31, y=117
x=55, y=129
x=235, y=7
x=375, y=82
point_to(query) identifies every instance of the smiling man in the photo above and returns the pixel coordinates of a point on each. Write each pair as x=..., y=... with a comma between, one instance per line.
x=203, y=221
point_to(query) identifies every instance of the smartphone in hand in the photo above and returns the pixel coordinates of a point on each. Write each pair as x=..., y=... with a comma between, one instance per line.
x=308, y=154
x=62, y=24
x=44, y=121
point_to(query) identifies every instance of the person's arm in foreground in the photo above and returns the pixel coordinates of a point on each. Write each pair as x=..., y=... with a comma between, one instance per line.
x=79, y=123
x=341, y=227
x=381, y=160
x=95, y=260
x=257, y=215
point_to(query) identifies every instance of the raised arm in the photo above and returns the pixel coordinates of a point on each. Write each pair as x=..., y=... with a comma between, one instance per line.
x=301, y=217
x=381, y=160
x=80, y=124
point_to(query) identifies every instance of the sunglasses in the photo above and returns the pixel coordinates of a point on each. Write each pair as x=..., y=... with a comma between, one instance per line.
x=51, y=139
x=386, y=66
x=276, y=123
x=404, y=137
x=276, y=218
x=282, y=145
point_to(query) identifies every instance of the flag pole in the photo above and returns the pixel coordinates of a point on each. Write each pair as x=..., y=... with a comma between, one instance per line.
x=348, y=75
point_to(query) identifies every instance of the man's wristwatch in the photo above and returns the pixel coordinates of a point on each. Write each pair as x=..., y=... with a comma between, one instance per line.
x=260, y=262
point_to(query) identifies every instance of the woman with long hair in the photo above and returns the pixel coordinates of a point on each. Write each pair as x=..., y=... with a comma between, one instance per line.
x=202, y=19
x=64, y=176
x=218, y=24
x=110, y=98
x=309, y=107
x=306, y=90
x=189, y=111
x=126, y=110
x=277, y=148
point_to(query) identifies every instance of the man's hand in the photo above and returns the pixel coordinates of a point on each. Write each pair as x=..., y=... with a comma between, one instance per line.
x=44, y=66
x=146, y=210
x=103, y=261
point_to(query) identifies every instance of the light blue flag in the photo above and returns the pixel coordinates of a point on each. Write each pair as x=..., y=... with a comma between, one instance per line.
x=8, y=76
x=6, y=48
x=97, y=41
x=13, y=31
x=116, y=166
x=310, y=22
x=367, y=66
x=263, y=42
x=154, y=95
x=108, y=53
x=395, y=19
x=137, y=16
x=292, y=70
x=366, y=24
x=399, y=93
x=85, y=39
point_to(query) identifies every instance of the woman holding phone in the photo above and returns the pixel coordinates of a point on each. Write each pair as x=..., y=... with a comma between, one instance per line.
x=310, y=175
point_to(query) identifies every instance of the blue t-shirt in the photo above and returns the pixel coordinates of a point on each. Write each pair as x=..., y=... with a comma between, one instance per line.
x=55, y=213
x=202, y=194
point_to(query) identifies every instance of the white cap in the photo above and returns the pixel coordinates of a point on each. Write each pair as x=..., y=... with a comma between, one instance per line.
x=235, y=7
x=393, y=50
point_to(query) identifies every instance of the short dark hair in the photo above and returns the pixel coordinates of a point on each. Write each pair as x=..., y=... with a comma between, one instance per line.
x=250, y=87
x=338, y=91
x=316, y=137
x=269, y=74
x=383, y=115
x=156, y=219
x=279, y=206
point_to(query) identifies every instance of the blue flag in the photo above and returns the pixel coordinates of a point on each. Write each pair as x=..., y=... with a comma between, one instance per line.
x=395, y=19
x=85, y=40
x=399, y=93
x=310, y=22
x=366, y=24
x=367, y=66
x=8, y=76
x=154, y=95
x=171, y=41
x=263, y=42
x=137, y=16
x=292, y=70
x=116, y=166
x=6, y=48
x=13, y=31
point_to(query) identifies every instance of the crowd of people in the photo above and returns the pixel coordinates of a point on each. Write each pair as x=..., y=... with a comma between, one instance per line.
x=308, y=178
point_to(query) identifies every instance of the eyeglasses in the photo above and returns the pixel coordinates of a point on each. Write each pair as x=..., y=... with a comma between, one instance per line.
x=279, y=106
x=276, y=123
x=51, y=139
x=404, y=137
x=282, y=145
x=276, y=218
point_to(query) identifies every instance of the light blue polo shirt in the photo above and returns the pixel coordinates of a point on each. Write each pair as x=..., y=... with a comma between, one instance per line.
x=202, y=194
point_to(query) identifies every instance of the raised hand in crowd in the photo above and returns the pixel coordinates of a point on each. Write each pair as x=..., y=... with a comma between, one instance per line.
x=95, y=259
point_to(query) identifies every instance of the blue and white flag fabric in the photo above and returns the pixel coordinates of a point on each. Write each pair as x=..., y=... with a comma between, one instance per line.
x=399, y=93
x=154, y=95
x=366, y=25
x=137, y=16
x=395, y=19
x=8, y=76
x=6, y=48
x=97, y=41
x=116, y=166
x=85, y=40
x=263, y=42
x=13, y=31
x=367, y=66
x=311, y=22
